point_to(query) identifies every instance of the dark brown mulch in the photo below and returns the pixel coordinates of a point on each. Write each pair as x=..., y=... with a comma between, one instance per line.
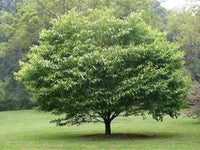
x=116, y=136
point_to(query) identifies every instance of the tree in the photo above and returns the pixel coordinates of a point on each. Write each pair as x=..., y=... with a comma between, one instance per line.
x=8, y=100
x=9, y=6
x=194, y=110
x=159, y=18
x=96, y=67
x=183, y=28
x=21, y=21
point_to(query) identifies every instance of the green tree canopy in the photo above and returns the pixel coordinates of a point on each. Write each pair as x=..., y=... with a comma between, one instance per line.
x=21, y=21
x=96, y=67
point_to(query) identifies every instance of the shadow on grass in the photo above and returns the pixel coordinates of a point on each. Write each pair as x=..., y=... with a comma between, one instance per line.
x=145, y=136
x=195, y=123
x=114, y=136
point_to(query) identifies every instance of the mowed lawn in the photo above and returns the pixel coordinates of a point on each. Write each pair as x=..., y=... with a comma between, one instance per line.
x=31, y=130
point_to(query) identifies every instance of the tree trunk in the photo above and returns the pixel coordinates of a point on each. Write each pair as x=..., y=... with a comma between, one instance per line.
x=107, y=127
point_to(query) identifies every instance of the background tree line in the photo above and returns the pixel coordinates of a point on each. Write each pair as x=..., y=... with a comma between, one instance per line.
x=21, y=21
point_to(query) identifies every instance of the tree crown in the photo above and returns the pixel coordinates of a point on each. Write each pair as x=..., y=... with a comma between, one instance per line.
x=95, y=66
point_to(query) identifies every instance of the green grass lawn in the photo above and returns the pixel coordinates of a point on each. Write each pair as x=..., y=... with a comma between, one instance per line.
x=31, y=130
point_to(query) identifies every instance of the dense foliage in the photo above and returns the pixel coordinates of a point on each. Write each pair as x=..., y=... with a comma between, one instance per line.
x=96, y=67
x=21, y=21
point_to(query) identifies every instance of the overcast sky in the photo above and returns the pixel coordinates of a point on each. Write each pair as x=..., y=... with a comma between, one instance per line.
x=169, y=4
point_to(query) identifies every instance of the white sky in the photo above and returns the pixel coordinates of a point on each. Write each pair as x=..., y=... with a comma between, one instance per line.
x=169, y=4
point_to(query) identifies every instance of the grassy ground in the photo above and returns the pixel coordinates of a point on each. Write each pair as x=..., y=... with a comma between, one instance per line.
x=31, y=130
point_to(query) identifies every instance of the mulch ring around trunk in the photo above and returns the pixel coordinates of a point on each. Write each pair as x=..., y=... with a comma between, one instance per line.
x=117, y=136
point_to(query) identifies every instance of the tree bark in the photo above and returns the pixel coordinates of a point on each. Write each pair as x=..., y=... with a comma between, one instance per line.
x=107, y=127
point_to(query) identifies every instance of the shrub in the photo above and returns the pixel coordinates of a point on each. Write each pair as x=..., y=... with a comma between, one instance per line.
x=194, y=108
